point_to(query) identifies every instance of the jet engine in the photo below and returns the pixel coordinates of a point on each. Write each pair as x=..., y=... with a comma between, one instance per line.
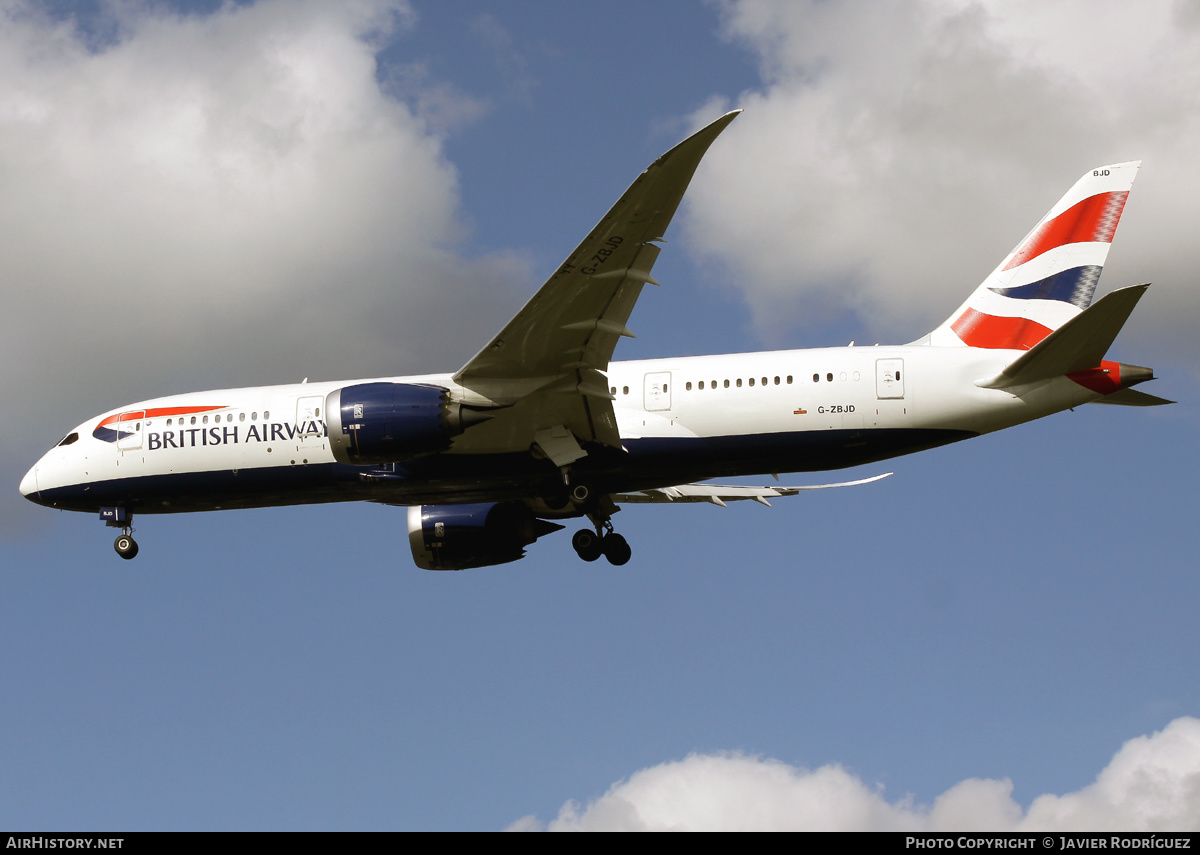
x=373, y=423
x=456, y=537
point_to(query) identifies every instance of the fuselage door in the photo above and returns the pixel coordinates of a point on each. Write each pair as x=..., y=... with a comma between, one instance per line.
x=308, y=416
x=658, y=391
x=129, y=430
x=889, y=378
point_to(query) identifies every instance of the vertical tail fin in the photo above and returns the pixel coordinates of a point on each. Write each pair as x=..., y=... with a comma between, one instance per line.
x=1051, y=275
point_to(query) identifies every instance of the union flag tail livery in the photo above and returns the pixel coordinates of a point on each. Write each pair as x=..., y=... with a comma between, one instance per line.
x=1051, y=275
x=541, y=424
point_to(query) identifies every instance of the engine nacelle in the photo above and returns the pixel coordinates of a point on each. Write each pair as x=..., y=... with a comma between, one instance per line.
x=384, y=422
x=456, y=537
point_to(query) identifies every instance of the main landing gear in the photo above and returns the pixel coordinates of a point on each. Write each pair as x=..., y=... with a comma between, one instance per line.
x=599, y=507
x=604, y=541
x=591, y=545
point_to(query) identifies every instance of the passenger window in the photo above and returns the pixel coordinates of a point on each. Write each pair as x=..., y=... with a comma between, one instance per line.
x=204, y=420
x=701, y=384
x=751, y=381
x=624, y=390
x=726, y=384
x=689, y=386
x=193, y=419
x=829, y=376
x=739, y=382
x=266, y=415
x=789, y=379
x=776, y=381
x=816, y=378
x=241, y=417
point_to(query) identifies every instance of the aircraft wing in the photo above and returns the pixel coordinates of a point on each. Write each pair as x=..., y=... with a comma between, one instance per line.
x=719, y=495
x=547, y=365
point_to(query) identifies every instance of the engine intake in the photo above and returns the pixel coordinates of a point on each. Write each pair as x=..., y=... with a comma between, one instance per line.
x=457, y=537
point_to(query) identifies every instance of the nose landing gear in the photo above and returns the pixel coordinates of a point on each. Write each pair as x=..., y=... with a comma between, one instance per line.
x=121, y=518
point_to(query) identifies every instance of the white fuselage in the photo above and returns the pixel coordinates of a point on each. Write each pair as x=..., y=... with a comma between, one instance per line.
x=829, y=400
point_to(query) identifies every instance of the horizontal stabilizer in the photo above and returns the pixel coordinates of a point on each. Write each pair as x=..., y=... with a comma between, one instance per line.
x=1132, y=398
x=1078, y=345
x=718, y=495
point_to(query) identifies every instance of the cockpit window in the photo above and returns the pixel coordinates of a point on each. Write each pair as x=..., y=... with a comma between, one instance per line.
x=68, y=439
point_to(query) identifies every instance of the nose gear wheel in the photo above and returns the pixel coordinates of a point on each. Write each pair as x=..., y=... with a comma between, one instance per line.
x=125, y=545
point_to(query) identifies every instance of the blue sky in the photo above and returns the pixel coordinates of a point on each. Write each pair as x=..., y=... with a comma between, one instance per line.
x=204, y=197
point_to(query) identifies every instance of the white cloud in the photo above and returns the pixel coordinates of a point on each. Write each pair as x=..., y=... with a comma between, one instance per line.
x=896, y=151
x=221, y=200
x=1152, y=784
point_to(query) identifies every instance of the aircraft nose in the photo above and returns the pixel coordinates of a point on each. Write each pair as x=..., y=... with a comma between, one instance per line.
x=29, y=487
